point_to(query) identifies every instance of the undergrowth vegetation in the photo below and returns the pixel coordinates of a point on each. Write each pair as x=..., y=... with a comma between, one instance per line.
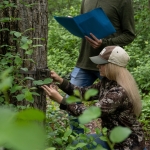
x=20, y=123
x=63, y=51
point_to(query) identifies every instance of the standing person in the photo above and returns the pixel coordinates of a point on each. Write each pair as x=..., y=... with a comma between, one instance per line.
x=120, y=13
x=118, y=97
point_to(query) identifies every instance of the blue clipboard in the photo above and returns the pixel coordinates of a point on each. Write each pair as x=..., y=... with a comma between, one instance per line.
x=95, y=21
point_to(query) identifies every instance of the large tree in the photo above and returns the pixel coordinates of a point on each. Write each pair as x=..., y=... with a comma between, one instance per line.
x=30, y=16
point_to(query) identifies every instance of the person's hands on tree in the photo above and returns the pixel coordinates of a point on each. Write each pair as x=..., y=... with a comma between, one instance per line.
x=52, y=93
x=56, y=77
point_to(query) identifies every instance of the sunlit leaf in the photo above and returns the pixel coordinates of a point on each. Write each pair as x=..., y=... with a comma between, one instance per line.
x=119, y=134
x=31, y=114
x=76, y=93
x=28, y=96
x=72, y=99
x=90, y=93
x=89, y=114
x=6, y=84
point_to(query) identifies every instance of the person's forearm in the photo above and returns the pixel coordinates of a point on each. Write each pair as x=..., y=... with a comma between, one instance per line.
x=60, y=81
x=121, y=40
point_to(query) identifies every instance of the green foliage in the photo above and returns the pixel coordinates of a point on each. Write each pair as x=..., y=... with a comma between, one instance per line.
x=72, y=99
x=59, y=134
x=89, y=114
x=63, y=47
x=145, y=116
x=90, y=93
x=66, y=136
x=139, y=49
x=119, y=134
x=19, y=131
x=13, y=84
x=62, y=54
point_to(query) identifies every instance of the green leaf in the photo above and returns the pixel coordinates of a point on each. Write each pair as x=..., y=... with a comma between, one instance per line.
x=98, y=131
x=4, y=29
x=33, y=88
x=28, y=96
x=20, y=97
x=26, y=134
x=24, y=69
x=38, y=82
x=89, y=114
x=119, y=134
x=76, y=93
x=34, y=93
x=80, y=145
x=6, y=84
x=103, y=138
x=90, y=93
x=24, y=39
x=72, y=99
x=99, y=147
x=59, y=141
x=6, y=2
x=15, y=88
x=25, y=46
x=29, y=52
x=17, y=34
x=5, y=73
x=28, y=78
x=18, y=60
x=31, y=115
x=29, y=41
x=47, y=80
x=104, y=131
x=67, y=132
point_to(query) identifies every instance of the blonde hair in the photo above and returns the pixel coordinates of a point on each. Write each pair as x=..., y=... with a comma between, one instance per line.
x=124, y=78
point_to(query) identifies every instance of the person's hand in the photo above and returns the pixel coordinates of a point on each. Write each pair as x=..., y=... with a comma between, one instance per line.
x=95, y=42
x=52, y=93
x=56, y=77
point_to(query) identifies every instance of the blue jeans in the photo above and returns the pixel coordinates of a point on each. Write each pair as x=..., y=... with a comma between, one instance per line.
x=82, y=77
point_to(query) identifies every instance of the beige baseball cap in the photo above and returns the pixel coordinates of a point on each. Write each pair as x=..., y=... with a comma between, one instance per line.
x=112, y=54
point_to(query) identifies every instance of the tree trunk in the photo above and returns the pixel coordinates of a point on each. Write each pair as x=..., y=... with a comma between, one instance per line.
x=33, y=15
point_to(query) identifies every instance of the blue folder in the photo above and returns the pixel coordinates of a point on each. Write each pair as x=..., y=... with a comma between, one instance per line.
x=95, y=21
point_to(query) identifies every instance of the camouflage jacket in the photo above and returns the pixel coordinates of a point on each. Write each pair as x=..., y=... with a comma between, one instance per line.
x=116, y=108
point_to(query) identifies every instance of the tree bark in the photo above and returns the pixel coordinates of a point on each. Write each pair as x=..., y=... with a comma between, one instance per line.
x=33, y=14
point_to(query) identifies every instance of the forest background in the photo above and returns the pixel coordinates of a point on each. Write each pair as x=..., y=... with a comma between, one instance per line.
x=61, y=55
x=63, y=48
